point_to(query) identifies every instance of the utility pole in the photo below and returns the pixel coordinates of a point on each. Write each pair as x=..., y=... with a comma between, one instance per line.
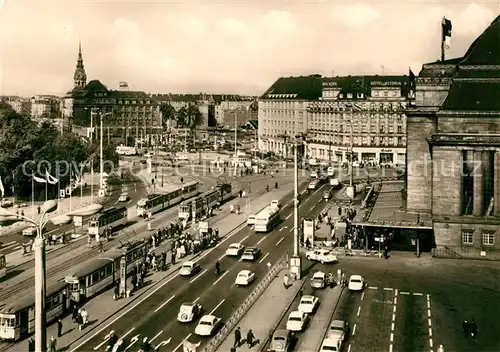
x=235, y=142
x=101, y=167
x=296, y=260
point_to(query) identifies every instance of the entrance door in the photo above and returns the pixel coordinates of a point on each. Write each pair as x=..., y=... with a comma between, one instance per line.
x=24, y=320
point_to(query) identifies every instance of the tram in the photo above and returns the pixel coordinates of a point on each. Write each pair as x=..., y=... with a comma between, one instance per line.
x=17, y=314
x=158, y=202
x=95, y=275
x=3, y=265
x=109, y=219
x=204, y=203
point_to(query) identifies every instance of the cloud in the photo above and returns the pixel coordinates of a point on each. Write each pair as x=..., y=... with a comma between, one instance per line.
x=473, y=20
x=356, y=15
x=191, y=26
x=279, y=22
x=232, y=26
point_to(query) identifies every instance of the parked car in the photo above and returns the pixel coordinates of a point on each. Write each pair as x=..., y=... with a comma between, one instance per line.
x=208, y=325
x=321, y=255
x=251, y=253
x=318, y=280
x=308, y=304
x=282, y=341
x=356, y=283
x=189, y=312
x=235, y=250
x=244, y=278
x=189, y=268
x=296, y=321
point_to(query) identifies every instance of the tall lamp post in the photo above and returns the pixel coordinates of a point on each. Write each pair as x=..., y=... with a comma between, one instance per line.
x=351, y=190
x=102, y=190
x=40, y=261
x=296, y=260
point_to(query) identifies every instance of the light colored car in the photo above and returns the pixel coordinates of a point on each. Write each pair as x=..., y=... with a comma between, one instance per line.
x=296, y=321
x=124, y=197
x=327, y=194
x=321, y=255
x=244, y=278
x=338, y=330
x=313, y=185
x=276, y=203
x=29, y=232
x=208, y=325
x=251, y=253
x=308, y=304
x=318, y=280
x=331, y=345
x=314, y=174
x=235, y=250
x=281, y=341
x=189, y=268
x=189, y=312
x=356, y=283
x=251, y=220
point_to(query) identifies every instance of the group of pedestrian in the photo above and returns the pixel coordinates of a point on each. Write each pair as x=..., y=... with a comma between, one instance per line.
x=470, y=328
x=238, y=342
x=80, y=317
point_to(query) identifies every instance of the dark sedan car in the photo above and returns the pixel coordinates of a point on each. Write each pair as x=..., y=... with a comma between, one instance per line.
x=251, y=253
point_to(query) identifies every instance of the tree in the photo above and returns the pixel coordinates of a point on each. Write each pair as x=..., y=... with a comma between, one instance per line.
x=194, y=118
x=168, y=113
x=110, y=157
x=182, y=116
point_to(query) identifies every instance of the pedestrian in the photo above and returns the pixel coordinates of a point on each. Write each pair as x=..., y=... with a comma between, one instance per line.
x=301, y=293
x=85, y=317
x=441, y=348
x=250, y=338
x=116, y=293
x=286, y=281
x=59, y=327
x=74, y=314
x=52, y=347
x=134, y=283
x=101, y=247
x=465, y=327
x=473, y=329
x=31, y=345
x=237, y=337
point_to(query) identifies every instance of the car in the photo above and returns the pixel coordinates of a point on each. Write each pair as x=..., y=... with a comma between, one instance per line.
x=321, y=255
x=244, y=278
x=208, y=325
x=338, y=330
x=235, y=250
x=312, y=185
x=330, y=345
x=189, y=312
x=124, y=197
x=251, y=220
x=318, y=280
x=276, y=203
x=296, y=321
x=29, y=232
x=314, y=174
x=356, y=283
x=327, y=194
x=251, y=253
x=281, y=341
x=189, y=268
x=308, y=304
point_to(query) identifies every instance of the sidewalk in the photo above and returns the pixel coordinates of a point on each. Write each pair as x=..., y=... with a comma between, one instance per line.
x=264, y=315
x=65, y=205
x=311, y=339
x=103, y=306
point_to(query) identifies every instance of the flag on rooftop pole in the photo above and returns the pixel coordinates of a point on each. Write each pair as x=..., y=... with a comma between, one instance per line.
x=446, y=27
x=52, y=180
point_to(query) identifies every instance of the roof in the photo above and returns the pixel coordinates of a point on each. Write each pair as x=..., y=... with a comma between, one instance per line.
x=138, y=95
x=485, y=50
x=297, y=88
x=94, y=264
x=473, y=96
x=16, y=303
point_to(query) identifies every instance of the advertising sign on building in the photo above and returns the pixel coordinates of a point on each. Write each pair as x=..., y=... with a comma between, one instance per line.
x=309, y=230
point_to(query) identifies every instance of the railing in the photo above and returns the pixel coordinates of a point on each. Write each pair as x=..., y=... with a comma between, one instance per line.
x=245, y=306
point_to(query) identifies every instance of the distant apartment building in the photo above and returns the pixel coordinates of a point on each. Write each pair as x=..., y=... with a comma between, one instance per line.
x=20, y=105
x=46, y=107
x=365, y=113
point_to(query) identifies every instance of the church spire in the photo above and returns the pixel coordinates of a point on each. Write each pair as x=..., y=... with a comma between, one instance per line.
x=80, y=77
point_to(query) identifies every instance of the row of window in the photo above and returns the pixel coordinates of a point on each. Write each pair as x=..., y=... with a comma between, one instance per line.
x=366, y=141
x=338, y=106
x=357, y=128
x=487, y=237
x=133, y=102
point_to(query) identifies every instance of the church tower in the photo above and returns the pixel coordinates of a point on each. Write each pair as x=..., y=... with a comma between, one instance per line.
x=80, y=77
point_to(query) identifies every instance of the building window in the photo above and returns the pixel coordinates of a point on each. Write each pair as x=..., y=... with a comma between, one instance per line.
x=488, y=238
x=468, y=237
x=400, y=129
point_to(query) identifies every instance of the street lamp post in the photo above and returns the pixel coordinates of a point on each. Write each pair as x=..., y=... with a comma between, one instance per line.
x=235, y=142
x=296, y=260
x=350, y=191
x=40, y=260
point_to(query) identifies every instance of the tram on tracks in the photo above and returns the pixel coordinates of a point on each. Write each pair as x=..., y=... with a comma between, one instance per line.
x=205, y=202
x=109, y=219
x=95, y=275
x=3, y=265
x=157, y=202
x=17, y=314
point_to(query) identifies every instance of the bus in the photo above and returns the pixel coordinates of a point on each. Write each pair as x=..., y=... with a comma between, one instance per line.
x=157, y=202
x=123, y=150
x=3, y=265
x=109, y=219
x=205, y=202
x=267, y=219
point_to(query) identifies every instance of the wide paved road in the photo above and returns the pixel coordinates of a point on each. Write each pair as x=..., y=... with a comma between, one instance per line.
x=156, y=316
x=416, y=304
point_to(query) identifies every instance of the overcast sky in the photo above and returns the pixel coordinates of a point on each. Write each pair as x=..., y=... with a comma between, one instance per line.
x=222, y=46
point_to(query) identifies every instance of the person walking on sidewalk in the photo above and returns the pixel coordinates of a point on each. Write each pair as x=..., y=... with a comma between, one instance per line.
x=59, y=327
x=52, y=347
x=237, y=337
x=286, y=281
x=85, y=318
x=250, y=338
x=101, y=247
x=31, y=345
